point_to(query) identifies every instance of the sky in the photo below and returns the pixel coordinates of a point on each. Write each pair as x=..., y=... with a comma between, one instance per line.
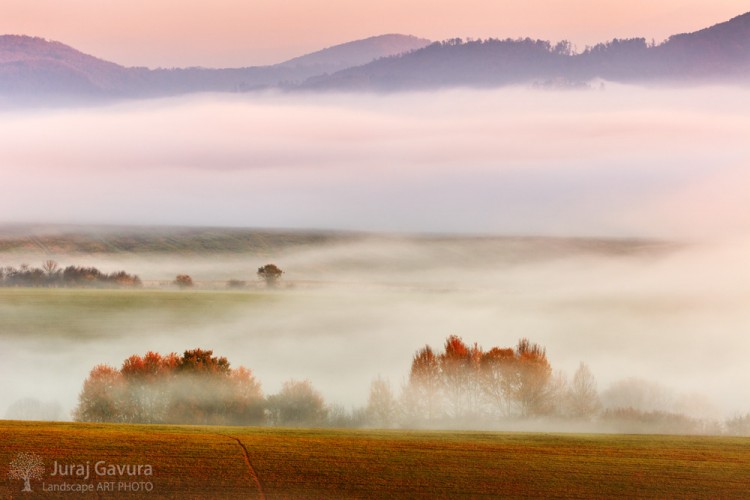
x=231, y=33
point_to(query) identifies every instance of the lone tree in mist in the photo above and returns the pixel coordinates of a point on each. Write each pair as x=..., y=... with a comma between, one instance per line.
x=270, y=273
x=26, y=466
x=183, y=281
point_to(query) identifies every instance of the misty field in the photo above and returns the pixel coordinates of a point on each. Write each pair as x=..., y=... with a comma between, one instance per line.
x=200, y=462
x=352, y=307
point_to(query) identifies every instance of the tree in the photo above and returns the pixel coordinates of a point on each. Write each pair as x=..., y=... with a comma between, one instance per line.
x=381, y=405
x=183, y=281
x=639, y=394
x=534, y=372
x=51, y=268
x=739, y=425
x=270, y=273
x=422, y=397
x=195, y=388
x=245, y=404
x=583, y=399
x=100, y=399
x=455, y=374
x=459, y=370
x=499, y=380
x=297, y=404
x=199, y=360
x=26, y=466
x=147, y=388
x=33, y=409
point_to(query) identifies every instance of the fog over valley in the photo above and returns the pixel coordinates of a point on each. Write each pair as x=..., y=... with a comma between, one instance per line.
x=609, y=225
x=667, y=163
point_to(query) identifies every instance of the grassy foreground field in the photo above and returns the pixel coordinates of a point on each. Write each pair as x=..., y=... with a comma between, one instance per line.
x=224, y=462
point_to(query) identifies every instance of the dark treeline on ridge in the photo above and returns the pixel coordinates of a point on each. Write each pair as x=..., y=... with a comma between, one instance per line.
x=37, y=69
x=51, y=275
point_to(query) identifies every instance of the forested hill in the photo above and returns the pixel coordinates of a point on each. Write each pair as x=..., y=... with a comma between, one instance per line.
x=34, y=69
x=720, y=53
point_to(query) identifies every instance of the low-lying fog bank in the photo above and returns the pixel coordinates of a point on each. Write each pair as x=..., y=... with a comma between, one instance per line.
x=345, y=313
x=626, y=162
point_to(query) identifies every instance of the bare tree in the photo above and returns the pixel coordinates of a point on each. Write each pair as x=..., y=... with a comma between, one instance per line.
x=26, y=466
x=583, y=398
x=298, y=404
x=50, y=267
x=381, y=406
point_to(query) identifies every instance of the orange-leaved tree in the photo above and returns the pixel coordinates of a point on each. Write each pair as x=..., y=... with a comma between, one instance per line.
x=195, y=388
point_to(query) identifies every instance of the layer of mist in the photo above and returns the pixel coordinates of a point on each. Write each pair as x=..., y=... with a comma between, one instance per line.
x=669, y=164
x=622, y=162
x=673, y=316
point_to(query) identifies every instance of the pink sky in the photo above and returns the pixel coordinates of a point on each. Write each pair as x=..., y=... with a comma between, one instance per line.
x=225, y=33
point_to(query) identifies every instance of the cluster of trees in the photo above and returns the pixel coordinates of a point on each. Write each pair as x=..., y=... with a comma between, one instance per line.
x=269, y=273
x=462, y=382
x=195, y=388
x=461, y=386
x=50, y=274
x=466, y=383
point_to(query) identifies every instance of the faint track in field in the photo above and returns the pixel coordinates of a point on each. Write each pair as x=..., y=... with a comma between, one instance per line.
x=250, y=468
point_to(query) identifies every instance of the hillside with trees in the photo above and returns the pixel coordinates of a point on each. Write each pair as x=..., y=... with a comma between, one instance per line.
x=34, y=69
x=718, y=53
x=51, y=275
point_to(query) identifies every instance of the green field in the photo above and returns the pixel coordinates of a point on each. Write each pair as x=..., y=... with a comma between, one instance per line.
x=78, y=314
x=206, y=462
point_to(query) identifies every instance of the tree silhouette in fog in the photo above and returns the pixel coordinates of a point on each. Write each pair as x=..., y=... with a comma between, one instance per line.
x=297, y=404
x=270, y=273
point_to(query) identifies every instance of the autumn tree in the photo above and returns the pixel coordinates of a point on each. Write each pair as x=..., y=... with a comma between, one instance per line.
x=499, y=379
x=466, y=382
x=532, y=393
x=459, y=370
x=423, y=397
x=101, y=397
x=183, y=281
x=147, y=389
x=270, y=273
x=195, y=388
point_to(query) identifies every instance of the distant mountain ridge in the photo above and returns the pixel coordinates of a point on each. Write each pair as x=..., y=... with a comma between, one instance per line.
x=36, y=69
x=32, y=67
x=356, y=53
x=718, y=53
